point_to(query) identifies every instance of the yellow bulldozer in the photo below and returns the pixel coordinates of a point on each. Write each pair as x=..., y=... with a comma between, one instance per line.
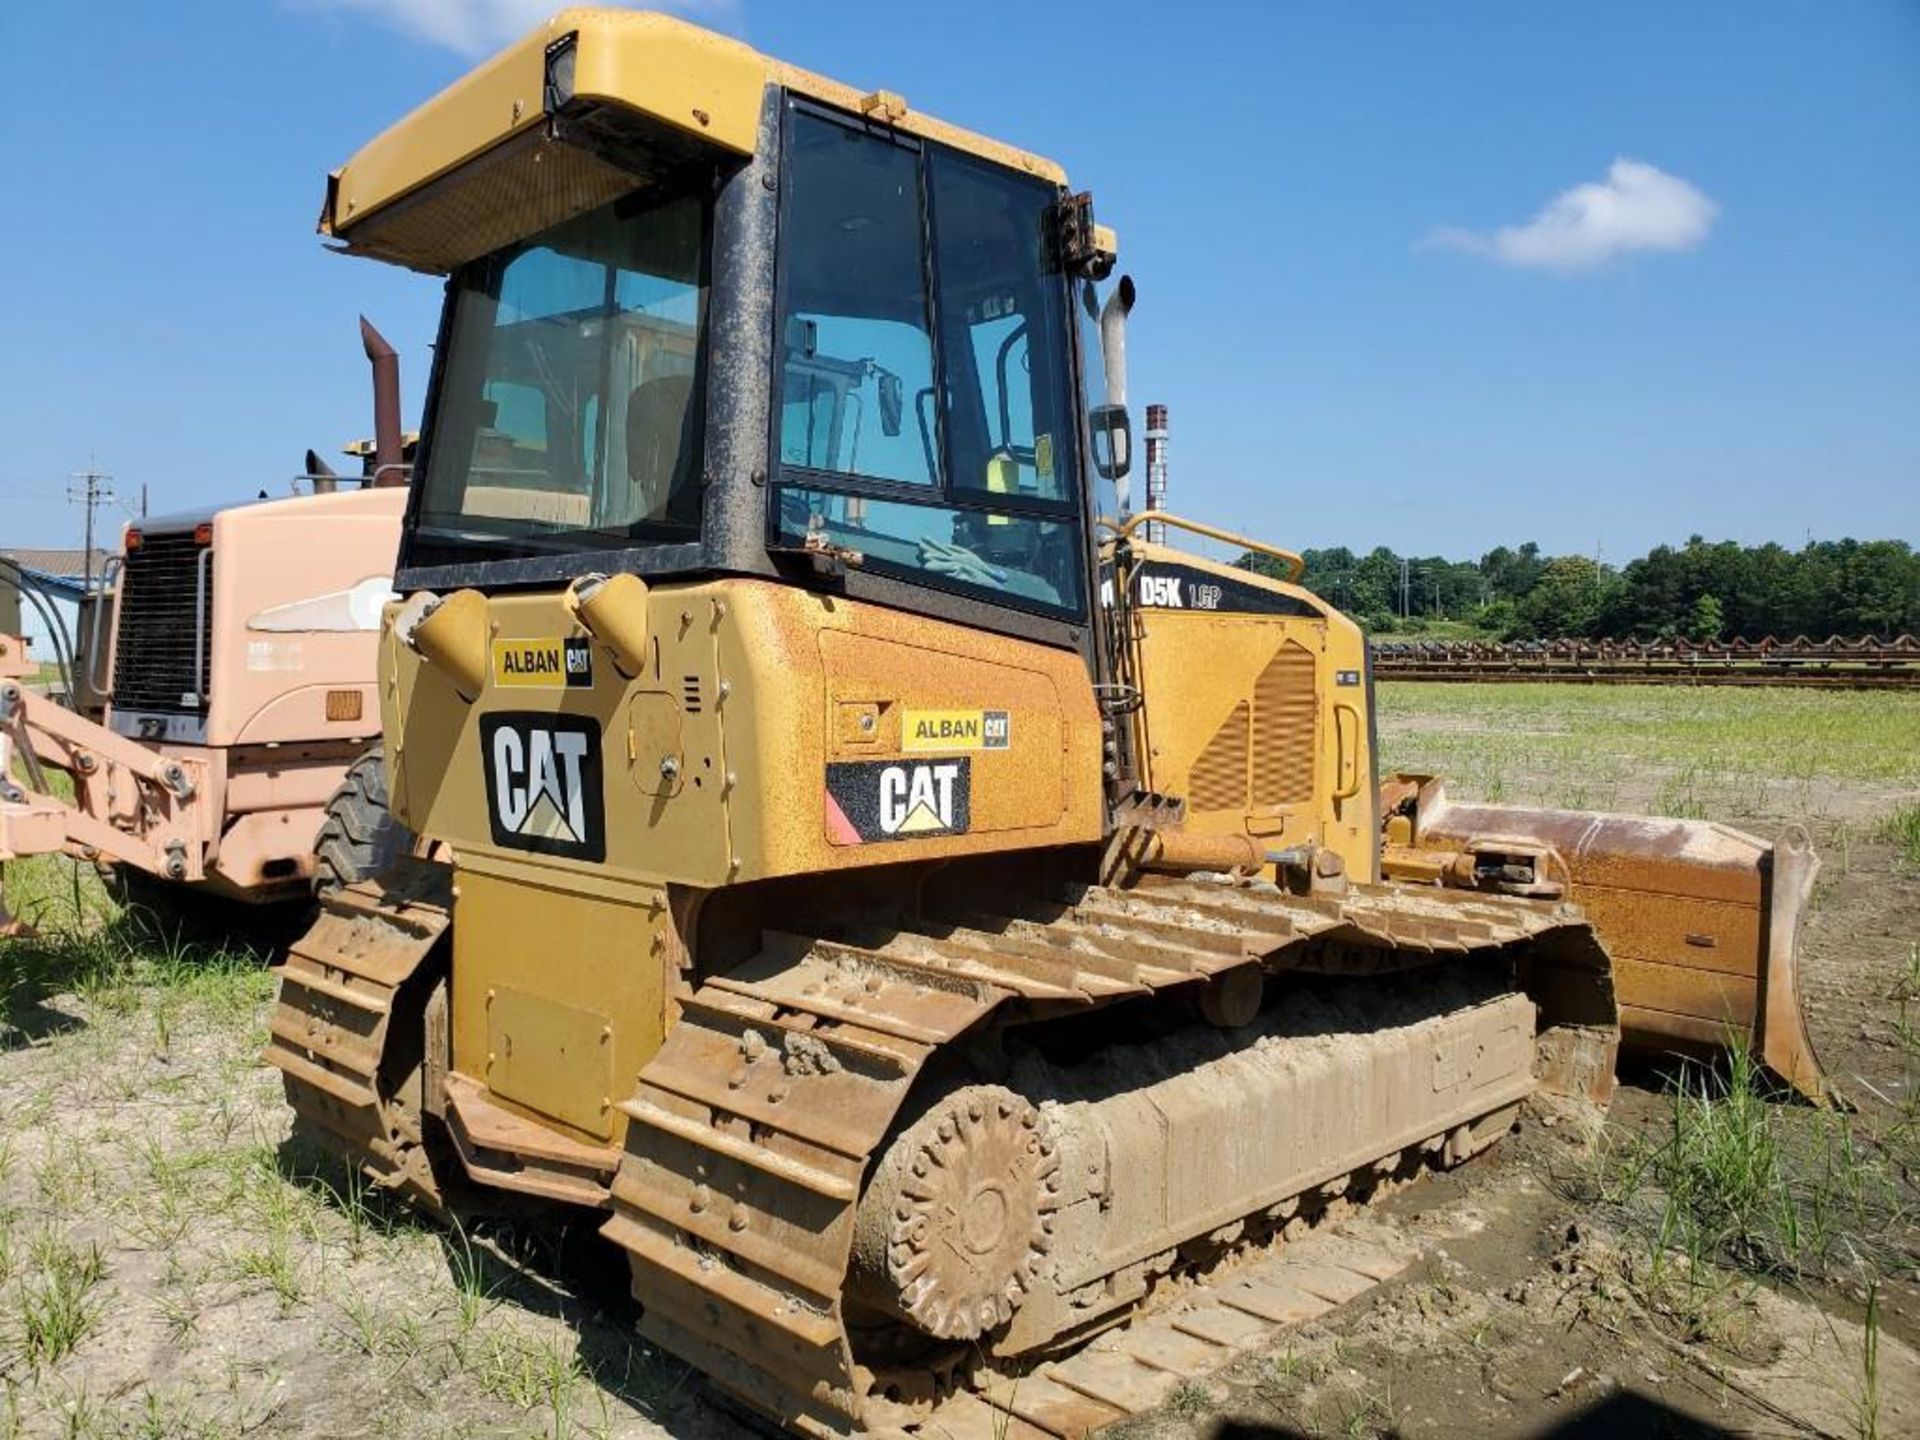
x=918, y=917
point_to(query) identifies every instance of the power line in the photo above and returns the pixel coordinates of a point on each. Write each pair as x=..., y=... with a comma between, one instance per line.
x=92, y=489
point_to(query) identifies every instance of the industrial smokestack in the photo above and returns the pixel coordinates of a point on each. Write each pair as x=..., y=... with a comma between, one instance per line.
x=1156, y=469
x=386, y=406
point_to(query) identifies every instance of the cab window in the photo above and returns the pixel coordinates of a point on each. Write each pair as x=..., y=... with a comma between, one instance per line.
x=924, y=416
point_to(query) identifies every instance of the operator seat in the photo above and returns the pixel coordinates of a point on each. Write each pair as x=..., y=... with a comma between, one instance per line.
x=660, y=434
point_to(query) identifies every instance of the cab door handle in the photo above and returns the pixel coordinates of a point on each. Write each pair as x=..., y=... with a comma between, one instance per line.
x=1346, y=764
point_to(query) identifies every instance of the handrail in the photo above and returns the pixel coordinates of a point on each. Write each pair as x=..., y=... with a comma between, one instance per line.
x=96, y=655
x=200, y=629
x=1295, y=565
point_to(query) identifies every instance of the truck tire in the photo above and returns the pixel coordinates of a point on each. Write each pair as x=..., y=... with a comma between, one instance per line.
x=360, y=836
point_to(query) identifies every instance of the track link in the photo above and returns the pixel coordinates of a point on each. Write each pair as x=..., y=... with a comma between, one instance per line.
x=352, y=1078
x=1135, y=1368
x=753, y=1127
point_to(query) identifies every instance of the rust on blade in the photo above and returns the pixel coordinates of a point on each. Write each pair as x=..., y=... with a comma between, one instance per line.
x=1702, y=921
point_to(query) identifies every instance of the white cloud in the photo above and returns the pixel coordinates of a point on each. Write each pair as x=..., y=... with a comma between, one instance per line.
x=475, y=27
x=1637, y=207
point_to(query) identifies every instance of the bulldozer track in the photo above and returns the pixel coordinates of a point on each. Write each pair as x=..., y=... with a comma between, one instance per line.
x=330, y=1033
x=753, y=1127
x=1136, y=1367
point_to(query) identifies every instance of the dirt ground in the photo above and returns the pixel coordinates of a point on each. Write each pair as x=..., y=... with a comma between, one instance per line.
x=171, y=1265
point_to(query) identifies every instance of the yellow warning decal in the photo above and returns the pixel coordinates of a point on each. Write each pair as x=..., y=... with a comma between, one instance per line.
x=925, y=730
x=544, y=664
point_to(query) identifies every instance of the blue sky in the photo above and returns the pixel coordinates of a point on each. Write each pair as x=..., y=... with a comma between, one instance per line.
x=1329, y=208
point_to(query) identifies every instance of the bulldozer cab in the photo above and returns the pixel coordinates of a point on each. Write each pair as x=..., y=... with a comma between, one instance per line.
x=848, y=357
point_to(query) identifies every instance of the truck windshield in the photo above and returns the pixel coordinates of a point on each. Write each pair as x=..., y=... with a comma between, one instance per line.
x=569, y=410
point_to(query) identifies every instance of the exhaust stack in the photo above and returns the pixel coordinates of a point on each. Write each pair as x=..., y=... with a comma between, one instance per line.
x=325, y=481
x=387, y=467
x=1156, y=470
x=1113, y=357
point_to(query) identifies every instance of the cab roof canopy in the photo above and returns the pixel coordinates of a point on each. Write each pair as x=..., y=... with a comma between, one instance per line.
x=588, y=107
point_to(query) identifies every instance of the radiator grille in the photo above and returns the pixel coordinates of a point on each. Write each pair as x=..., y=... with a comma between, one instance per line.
x=1262, y=754
x=1219, y=779
x=1283, y=707
x=153, y=665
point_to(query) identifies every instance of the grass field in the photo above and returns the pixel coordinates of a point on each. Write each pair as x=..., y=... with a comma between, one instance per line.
x=1849, y=757
x=171, y=1265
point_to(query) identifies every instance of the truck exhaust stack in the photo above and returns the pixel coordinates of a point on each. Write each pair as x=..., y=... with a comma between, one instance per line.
x=387, y=466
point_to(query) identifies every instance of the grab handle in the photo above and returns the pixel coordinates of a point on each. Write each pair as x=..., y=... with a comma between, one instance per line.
x=1346, y=756
x=1296, y=567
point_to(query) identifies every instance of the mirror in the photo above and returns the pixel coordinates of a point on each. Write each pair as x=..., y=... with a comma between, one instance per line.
x=1112, y=441
x=892, y=403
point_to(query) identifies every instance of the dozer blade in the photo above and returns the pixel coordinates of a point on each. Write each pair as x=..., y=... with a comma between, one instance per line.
x=1702, y=920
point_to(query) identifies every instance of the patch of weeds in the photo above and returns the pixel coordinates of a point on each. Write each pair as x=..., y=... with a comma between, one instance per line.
x=369, y=1214
x=79, y=1415
x=1189, y=1400
x=371, y=1331
x=529, y=1373
x=1867, y=1404
x=1699, y=1302
x=1367, y=1413
x=117, y=962
x=363, y=1327
x=274, y=1265
x=225, y=983
x=1901, y=830
x=1903, y=1135
x=172, y=1416
x=179, y=1314
x=1681, y=795
x=1283, y=1378
x=55, y=1307
x=259, y=1199
x=1761, y=753
x=173, y=1197
x=1743, y=1182
x=475, y=1289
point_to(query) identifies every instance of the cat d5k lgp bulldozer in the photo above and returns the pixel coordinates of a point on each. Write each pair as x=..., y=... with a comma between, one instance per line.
x=917, y=918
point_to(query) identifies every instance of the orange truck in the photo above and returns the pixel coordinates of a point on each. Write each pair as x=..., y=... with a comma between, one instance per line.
x=237, y=751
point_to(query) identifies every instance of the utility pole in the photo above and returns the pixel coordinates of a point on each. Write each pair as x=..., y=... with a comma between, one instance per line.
x=1406, y=587
x=91, y=489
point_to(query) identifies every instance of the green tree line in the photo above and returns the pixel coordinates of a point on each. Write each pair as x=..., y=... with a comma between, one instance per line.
x=1698, y=591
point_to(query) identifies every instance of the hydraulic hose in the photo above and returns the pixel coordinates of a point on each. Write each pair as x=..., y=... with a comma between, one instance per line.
x=34, y=592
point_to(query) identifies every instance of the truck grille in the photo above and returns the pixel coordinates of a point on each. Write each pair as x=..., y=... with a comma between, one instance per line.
x=153, y=665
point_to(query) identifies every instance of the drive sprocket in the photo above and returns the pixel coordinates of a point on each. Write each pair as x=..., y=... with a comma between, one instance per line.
x=958, y=1222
